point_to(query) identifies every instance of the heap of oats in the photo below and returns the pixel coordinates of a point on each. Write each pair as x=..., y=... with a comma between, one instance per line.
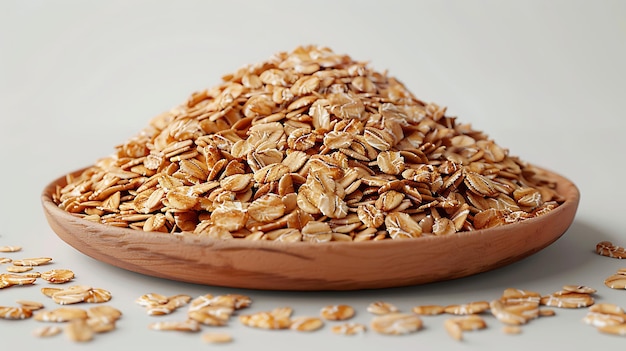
x=308, y=146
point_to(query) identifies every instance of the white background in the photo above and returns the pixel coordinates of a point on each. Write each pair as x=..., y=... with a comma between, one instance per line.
x=545, y=79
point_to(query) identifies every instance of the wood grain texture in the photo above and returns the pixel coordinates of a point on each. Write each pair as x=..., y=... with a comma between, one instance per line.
x=305, y=266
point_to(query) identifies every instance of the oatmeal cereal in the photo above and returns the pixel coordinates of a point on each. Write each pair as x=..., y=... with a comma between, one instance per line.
x=288, y=148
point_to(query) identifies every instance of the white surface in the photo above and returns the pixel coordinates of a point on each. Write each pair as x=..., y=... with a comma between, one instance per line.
x=544, y=78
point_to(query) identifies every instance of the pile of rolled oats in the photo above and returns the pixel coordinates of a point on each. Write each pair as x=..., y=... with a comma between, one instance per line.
x=308, y=146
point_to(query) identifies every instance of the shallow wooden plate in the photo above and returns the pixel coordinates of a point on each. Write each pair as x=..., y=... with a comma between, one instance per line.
x=305, y=266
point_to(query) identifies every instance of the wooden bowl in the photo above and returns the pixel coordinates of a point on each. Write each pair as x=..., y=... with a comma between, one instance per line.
x=307, y=266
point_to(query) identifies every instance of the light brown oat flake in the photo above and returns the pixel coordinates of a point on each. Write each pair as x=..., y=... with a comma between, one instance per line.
x=337, y=312
x=608, y=249
x=4, y=260
x=35, y=261
x=97, y=295
x=381, y=307
x=597, y=319
x=186, y=326
x=513, y=314
x=546, y=312
x=217, y=338
x=58, y=276
x=9, y=279
x=32, y=305
x=265, y=320
x=71, y=295
x=104, y=313
x=47, y=331
x=211, y=315
x=98, y=325
x=348, y=329
x=7, y=312
x=306, y=324
x=616, y=281
x=151, y=299
x=50, y=291
x=396, y=323
x=10, y=248
x=468, y=308
x=511, y=329
x=568, y=300
x=62, y=314
x=619, y=329
x=582, y=289
x=19, y=269
x=428, y=310
x=173, y=303
x=453, y=328
x=79, y=331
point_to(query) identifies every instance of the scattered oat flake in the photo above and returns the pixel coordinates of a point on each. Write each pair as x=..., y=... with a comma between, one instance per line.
x=10, y=248
x=32, y=305
x=19, y=269
x=579, y=289
x=9, y=279
x=62, y=314
x=511, y=329
x=608, y=249
x=79, y=331
x=217, y=338
x=349, y=329
x=546, y=312
x=428, y=310
x=7, y=312
x=47, y=331
x=568, y=300
x=98, y=295
x=337, y=312
x=468, y=308
x=104, y=312
x=616, y=281
x=35, y=261
x=306, y=324
x=58, y=276
x=381, y=307
x=396, y=323
x=99, y=325
x=5, y=260
x=265, y=320
x=186, y=326
x=453, y=328
x=50, y=291
x=619, y=329
x=151, y=299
